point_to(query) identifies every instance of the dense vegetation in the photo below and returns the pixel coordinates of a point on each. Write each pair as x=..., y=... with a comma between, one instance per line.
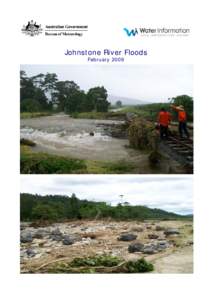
x=59, y=208
x=44, y=92
x=150, y=111
x=44, y=163
x=101, y=264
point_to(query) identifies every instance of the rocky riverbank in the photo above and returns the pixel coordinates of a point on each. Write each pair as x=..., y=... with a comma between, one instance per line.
x=126, y=240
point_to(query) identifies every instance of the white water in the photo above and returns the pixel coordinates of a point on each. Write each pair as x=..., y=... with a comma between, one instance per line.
x=60, y=134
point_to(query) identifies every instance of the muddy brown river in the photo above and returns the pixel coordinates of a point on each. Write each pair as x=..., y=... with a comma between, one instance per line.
x=60, y=134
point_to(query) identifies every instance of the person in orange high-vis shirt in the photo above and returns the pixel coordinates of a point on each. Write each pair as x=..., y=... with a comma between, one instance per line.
x=164, y=119
x=182, y=118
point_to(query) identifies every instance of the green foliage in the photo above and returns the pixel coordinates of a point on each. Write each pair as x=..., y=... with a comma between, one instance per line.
x=99, y=115
x=101, y=264
x=64, y=207
x=43, y=211
x=75, y=102
x=187, y=102
x=32, y=94
x=41, y=163
x=96, y=261
x=119, y=167
x=64, y=91
x=139, y=266
x=30, y=105
x=97, y=96
x=89, y=115
x=45, y=92
x=150, y=111
x=28, y=115
x=49, y=84
x=109, y=167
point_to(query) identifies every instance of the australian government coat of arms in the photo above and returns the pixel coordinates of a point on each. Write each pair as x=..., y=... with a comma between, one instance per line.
x=32, y=28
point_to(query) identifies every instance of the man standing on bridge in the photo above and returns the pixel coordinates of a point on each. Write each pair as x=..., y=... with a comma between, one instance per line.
x=182, y=118
x=164, y=119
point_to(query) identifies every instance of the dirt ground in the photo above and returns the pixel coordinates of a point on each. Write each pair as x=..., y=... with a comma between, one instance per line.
x=181, y=261
x=101, y=238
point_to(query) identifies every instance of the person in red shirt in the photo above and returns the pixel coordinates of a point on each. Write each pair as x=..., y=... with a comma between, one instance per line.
x=182, y=118
x=164, y=119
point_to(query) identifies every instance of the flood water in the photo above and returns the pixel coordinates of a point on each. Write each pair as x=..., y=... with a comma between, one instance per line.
x=60, y=134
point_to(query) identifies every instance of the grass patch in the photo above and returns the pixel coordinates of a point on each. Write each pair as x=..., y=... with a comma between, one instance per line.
x=119, y=167
x=102, y=167
x=29, y=115
x=42, y=163
x=89, y=115
x=149, y=111
x=99, y=115
x=96, y=261
x=102, y=264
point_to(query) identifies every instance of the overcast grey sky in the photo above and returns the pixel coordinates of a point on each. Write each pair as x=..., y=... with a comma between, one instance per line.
x=154, y=83
x=170, y=193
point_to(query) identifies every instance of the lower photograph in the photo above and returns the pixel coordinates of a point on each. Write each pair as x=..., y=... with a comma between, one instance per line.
x=106, y=224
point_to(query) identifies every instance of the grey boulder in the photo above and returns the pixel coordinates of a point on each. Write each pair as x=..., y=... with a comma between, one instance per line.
x=56, y=232
x=162, y=245
x=30, y=252
x=56, y=235
x=40, y=234
x=57, y=238
x=152, y=236
x=150, y=249
x=26, y=237
x=71, y=239
x=159, y=228
x=171, y=231
x=67, y=240
x=127, y=237
x=136, y=247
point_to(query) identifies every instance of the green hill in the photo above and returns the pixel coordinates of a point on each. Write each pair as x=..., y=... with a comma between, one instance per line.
x=59, y=208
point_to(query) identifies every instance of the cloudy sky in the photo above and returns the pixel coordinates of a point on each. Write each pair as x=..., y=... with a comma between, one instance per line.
x=170, y=193
x=153, y=83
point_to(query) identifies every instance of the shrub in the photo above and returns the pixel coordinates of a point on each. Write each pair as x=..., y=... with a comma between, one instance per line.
x=139, y=266
x=30, y=105
x=40, y=163
x=96, y=261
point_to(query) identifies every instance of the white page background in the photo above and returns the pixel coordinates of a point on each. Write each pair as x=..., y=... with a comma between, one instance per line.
x=105, y=20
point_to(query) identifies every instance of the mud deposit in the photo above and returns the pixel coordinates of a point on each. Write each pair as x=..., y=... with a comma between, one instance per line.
x=43, y=247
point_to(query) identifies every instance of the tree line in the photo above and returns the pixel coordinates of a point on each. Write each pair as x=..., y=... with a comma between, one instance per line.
x=59, y=208
x=151, y=110
x=43, y=92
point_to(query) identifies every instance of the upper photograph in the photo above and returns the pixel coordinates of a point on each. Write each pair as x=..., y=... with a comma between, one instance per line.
x=100, y=119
